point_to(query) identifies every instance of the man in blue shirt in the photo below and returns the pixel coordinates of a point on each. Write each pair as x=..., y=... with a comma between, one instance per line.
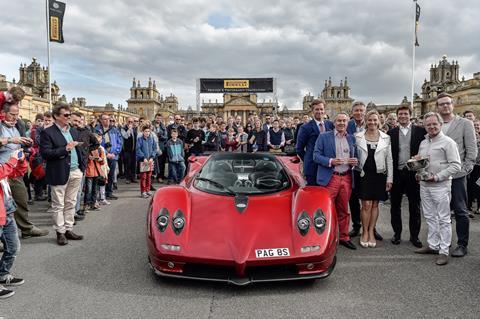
x=64, y=171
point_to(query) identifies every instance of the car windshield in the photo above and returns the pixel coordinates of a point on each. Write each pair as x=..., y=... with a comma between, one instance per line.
x=242, y=173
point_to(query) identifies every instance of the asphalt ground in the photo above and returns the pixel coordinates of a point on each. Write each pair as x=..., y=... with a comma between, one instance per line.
x=107, y=276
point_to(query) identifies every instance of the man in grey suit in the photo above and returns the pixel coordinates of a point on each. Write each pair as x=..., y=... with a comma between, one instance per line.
x=462, y=132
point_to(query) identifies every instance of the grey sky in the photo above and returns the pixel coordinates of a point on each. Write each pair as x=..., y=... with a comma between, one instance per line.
x=301, y=43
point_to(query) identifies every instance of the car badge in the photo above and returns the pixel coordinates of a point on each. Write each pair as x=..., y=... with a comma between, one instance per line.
x=241, y=202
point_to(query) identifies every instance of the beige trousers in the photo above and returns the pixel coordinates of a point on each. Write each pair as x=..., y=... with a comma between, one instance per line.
x=64, y=199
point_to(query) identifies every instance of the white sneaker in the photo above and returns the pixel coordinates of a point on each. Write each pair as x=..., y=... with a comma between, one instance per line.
x=104, y=202
x=149, y=193
x=144, y=195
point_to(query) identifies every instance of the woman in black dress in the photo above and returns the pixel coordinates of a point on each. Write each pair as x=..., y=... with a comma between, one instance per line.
x=376, y=174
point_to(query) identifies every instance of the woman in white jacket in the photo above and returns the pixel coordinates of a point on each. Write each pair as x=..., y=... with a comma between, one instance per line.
x=376, y=173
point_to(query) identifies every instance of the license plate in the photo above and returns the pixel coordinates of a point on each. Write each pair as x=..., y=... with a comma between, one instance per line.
x=272, y=252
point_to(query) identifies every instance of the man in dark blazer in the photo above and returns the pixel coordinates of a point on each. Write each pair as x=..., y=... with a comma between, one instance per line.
x=60, y=148
x=307, y=136
x=405, y=139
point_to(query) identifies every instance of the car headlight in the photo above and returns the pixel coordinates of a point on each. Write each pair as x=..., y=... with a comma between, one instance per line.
x=320, y=221
x=162, y=219
x=303, y=223
x=178, y=222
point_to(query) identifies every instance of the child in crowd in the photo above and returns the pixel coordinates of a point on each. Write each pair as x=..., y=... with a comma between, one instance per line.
x=15, y=167
x=146, y=150
x=212, y=140
x=104, y=169
x=176, y=158
x=242, y=140
x=230, y=141
x=96, y=158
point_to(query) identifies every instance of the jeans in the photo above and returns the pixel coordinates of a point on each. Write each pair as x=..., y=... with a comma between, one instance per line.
x=459, y=206
x=80, y=194
x=176, y=170
x=11, y=245
x=90, y=190
x=112, y=164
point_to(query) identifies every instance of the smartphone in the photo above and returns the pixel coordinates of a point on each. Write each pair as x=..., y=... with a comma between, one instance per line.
x=20, y=154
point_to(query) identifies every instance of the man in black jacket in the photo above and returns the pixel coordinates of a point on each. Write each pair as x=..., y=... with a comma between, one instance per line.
x=405, y=139
x=64, y=171
x=129, y=135
x=90, y=143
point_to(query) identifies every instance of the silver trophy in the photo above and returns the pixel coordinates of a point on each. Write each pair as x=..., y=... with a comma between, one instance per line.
x=420, y=166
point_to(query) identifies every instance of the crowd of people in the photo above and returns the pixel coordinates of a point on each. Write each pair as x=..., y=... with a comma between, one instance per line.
x=359, y=157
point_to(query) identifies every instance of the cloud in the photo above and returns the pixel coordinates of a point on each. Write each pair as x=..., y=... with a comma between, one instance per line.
x=300, y=43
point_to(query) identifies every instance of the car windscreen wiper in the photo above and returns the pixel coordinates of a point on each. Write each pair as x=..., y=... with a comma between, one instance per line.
x=215, y=183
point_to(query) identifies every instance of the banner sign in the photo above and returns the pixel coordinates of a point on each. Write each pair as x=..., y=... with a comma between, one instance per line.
x=236, y=85
x=56, y=10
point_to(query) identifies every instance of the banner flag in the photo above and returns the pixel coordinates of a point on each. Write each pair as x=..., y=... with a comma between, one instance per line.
x=56, y=10
x=417, y=21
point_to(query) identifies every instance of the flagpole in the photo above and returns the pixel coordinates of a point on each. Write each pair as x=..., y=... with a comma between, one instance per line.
x=413, y=52
x=48, y=56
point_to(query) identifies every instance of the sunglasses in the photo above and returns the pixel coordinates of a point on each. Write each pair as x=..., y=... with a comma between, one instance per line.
x=67, y=114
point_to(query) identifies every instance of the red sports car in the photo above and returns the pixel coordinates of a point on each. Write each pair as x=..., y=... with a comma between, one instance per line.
x=242, y=218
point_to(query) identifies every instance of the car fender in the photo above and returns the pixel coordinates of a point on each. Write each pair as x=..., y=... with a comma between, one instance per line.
x=173, y=199
x=308, y=200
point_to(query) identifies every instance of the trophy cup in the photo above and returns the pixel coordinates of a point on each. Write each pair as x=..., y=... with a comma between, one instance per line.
x=420, y=166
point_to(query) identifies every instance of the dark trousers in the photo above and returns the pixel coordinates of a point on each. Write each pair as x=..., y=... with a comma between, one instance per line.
x=26, y=181
x=404, y=183
x=19, y=194
x=311, y=180
x=121, y=164
x=38, y=185
x=112, y=164
x=473, y=190
x=130, y=164
x=161, y=161
x=459, y=206
x=354, y=203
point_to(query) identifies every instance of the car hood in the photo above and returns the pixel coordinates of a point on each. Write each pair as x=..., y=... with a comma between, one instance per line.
x=218, y=230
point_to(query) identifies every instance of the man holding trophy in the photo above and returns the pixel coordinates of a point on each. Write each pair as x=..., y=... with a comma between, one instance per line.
x=437, y=161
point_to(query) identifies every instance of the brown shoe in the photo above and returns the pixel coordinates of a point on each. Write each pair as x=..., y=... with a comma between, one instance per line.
x=71, y=235
x=61, y=239
x=442, y=260
x=426, y=250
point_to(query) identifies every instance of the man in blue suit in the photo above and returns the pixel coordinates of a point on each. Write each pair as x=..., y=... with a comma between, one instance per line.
x=357, y=123
x=307, y=136
x=335, y=155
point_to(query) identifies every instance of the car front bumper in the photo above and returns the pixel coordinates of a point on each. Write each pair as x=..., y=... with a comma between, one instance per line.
x=253, y=274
